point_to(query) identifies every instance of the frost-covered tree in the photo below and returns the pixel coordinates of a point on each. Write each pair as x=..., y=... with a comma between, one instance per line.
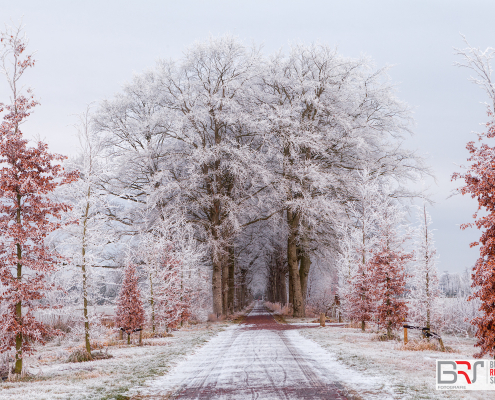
x=230, y=139
x=176, y=277
x=185, y=134
x=425, y=305
x=85, y=240
x=328, y=115
x=28, y=176
x=358, y=239
x=173, y=297
x=129, y=311
x=371, y=264
x=457, y=312
x=480, y=184
x=388, y=268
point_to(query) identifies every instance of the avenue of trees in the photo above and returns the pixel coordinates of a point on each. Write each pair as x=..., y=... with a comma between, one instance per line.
x=259, y=154
x=223, y=175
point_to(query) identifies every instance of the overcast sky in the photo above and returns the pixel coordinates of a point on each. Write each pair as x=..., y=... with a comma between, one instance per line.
x=86, y=50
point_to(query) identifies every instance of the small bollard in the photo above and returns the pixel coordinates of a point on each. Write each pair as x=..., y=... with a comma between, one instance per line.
x=405, y=336
x=322, y=319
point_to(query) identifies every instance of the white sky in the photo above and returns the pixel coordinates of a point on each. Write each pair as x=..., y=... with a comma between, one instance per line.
x=86, y=50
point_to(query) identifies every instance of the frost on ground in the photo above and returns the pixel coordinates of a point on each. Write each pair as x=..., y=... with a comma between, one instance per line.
x=263, y=360
x=409, y=374
x=104, y=379
x=259, y=359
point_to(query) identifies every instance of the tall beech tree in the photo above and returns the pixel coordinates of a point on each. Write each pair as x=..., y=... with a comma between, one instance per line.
x=130, y=311
x=480, y=185
x=28, y=175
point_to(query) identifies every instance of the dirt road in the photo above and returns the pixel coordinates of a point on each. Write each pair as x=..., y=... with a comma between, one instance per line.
x=259, y=359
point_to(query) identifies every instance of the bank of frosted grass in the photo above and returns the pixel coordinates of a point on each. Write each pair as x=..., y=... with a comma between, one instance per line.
x=410, y=369
x=54, y=378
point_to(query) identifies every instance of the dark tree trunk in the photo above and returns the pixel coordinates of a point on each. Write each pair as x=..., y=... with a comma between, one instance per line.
x=231, y=281
x=216, y=283
x=225, y=284
x=305, y=261
x=297, y=301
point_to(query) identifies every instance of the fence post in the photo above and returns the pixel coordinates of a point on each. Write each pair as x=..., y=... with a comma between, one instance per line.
x=405, y=335
x=322, y=319
x=141, y=337
x=440, y=341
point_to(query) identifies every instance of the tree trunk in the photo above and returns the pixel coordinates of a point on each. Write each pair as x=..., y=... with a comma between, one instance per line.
x=389, y=316
x=18, y=306
x=225, y=284
x=18, y=337
x=283, y=287
x=85, y=312
x=152, y=305
x=216, y=283
x=428, y=299
x=297, y=304
x=217, y=261
x=291, y=290
x=243, y=289
x=304, y=273
x=84, y=278
x=231, y=280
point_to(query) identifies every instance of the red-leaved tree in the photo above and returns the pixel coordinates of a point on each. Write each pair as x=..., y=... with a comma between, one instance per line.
x=28, y=175
x=130, y=311
x=388, y=264
x=361, y=297
x=389, y=276
x=480, y=185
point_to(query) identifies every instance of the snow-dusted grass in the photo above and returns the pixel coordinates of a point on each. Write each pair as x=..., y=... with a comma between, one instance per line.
x=410, y=374
x=54, y=378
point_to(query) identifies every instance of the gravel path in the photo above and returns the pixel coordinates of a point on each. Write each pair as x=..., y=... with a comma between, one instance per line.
x=259, y=359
